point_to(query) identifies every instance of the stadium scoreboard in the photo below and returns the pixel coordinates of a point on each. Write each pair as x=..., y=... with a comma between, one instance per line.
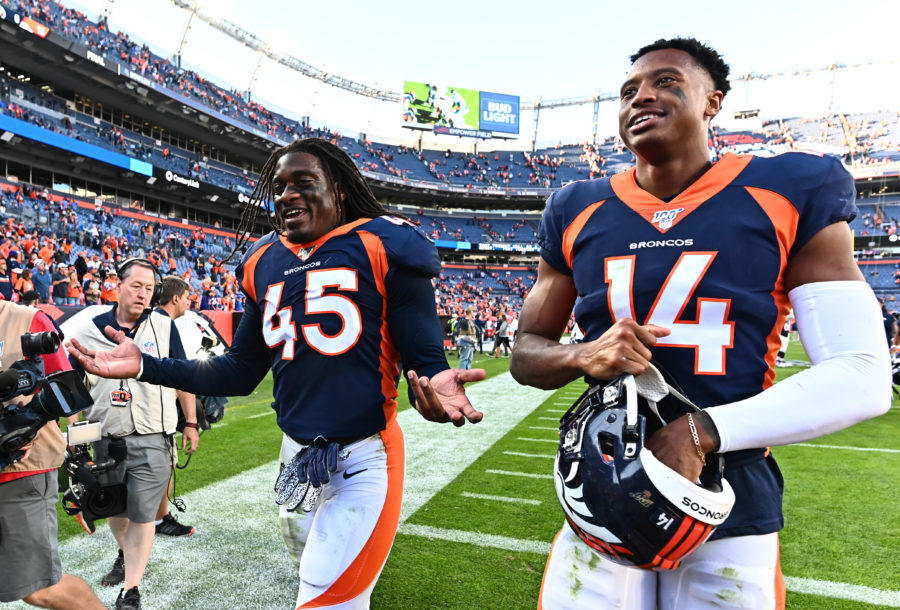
x=460, y=112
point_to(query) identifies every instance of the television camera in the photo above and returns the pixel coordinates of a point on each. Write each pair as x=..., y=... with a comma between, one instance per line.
x=59, y=394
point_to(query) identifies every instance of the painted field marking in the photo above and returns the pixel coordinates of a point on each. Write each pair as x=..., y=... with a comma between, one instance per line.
x=555, y=410
x=258, y=415
x=549, y=418
x=476, y=538
x=530, y=455
x=845, y=448
x=840, y=590
x=468, y=494
x=527, y=475
x=538, y=440
x=543, y=428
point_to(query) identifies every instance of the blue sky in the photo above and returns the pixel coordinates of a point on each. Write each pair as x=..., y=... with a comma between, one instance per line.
x=530, y=49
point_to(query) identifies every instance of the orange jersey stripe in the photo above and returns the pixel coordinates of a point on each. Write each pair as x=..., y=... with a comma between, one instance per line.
x=388, y=360
x=249, y=267
x=368, y=564
x=574, y=228
x=784, y=217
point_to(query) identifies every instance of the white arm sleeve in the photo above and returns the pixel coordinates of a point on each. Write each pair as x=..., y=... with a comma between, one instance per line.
x=850, y=381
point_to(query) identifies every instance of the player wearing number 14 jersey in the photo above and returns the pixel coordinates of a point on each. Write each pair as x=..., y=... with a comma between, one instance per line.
x=695, y=265
x=339, y=298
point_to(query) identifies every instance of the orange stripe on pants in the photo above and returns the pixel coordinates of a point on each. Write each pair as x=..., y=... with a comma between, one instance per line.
x=367, y=566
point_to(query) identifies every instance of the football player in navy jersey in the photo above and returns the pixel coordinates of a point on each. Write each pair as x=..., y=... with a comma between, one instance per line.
x=339, y=296
x=695, y=265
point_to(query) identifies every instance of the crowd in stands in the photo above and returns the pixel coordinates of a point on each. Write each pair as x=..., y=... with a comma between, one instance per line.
x=864, y=139
x=45, y=235
x=67, y=251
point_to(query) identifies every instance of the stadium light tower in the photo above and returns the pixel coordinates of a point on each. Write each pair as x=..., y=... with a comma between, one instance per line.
x=253, y=76
x=187, y=28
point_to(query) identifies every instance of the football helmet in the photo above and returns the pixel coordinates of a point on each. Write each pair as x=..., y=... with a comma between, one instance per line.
x=620, y=500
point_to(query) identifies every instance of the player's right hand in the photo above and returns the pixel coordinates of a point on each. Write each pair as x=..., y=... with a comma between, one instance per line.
x=122, y=362
x=624, y=348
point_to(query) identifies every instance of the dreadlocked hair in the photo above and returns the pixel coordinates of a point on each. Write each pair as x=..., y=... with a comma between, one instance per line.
x=358, y=200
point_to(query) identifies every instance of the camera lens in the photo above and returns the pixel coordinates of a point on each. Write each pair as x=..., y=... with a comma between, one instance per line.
x=39, y=343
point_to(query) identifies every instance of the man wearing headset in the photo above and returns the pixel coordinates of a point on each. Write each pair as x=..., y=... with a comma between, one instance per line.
x=143, y=414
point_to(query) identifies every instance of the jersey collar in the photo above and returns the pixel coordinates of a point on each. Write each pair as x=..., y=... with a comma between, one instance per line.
x=665, y=215
x=305, y=250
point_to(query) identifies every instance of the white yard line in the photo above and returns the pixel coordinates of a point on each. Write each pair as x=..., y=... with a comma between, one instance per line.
x=543, y=428
x=538, y=440
x=845, y=448
x=530, y=455
x=258, y=415
x=527, y=475
x=468, y=494
x=842, y=590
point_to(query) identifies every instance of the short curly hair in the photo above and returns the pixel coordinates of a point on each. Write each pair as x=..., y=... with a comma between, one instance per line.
x=705, y=56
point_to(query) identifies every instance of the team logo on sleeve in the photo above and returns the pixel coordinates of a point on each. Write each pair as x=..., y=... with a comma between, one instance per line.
x=665, y=218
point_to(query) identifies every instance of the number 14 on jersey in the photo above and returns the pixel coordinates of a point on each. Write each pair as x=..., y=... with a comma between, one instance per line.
x=709, y=335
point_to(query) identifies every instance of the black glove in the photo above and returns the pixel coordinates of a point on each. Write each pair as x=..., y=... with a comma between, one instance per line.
x=311, y=467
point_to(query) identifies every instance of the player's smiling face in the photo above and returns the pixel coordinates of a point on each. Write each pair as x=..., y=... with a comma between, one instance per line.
x=666, y=99
x=305, y=200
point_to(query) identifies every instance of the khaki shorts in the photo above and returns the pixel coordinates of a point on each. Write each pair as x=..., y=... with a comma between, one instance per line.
x=29, y=554
x=145, y=472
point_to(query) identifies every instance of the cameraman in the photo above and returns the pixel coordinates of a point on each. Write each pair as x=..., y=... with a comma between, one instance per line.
x=29, y=555
x=142, y=413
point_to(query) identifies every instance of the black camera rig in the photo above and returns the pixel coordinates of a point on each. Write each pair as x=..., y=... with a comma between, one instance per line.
x=59, y=394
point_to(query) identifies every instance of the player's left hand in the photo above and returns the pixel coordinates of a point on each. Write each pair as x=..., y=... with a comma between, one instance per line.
x=190, y=438
x=442, y=398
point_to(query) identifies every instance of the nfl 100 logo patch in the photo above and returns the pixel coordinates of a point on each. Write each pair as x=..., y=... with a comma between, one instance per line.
x=666, y=218
x=148, y=347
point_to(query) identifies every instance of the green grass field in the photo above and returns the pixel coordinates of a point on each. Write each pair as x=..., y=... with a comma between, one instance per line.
x=467, y=544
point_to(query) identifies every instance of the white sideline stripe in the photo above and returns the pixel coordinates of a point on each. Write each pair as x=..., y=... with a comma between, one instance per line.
x=538, y=440
x=258, y=415
x=534, y=455
x=527, y=475
x=842, y=590
x=846, y=448
x=476, y=538
x=543, y=428
x=468, y=494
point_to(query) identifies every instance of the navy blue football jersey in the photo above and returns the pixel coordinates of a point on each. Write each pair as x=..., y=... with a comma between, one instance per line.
x=708, y=265
x=324, y=307
x=317, y=315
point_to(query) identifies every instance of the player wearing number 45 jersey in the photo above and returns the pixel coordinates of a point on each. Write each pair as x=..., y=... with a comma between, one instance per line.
x=338, y=296
x=696, y=265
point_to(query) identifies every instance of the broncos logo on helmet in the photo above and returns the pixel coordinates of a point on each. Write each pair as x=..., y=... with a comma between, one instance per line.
x=620, y=500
